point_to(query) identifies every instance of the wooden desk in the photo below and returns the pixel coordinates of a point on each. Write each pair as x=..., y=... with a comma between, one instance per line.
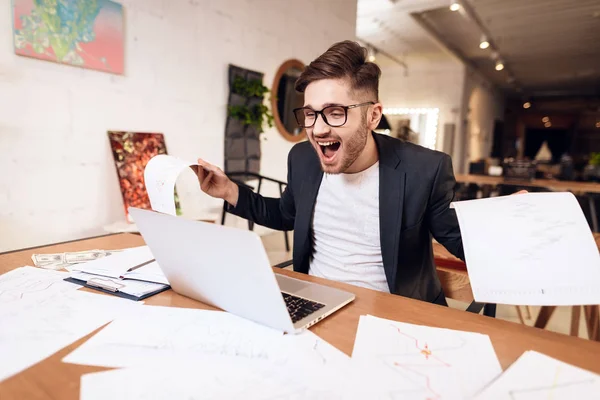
x=52, y=379
x=552, y=184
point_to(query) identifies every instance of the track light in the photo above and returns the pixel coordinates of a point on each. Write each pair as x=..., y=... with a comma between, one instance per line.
x=454, y=6
x=546, y=119
x=483, y=43
x=526, y=104
x=499, y=66
x=548, y=124
x=372, y=52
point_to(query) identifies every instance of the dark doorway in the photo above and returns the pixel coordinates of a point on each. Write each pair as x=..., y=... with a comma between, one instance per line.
x=558, y=142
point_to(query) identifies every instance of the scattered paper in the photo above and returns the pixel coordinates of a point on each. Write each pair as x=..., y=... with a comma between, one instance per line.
x=534, y=249
x=118, y=264
x=31, y=283
x=34, y=329
x=537, y=376
x=128, y=286
x=218, y=377
x=166, y=334
x=160, y=176
x=421, y=362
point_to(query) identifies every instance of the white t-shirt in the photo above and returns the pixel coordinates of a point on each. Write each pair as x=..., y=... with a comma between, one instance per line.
x=346, y=230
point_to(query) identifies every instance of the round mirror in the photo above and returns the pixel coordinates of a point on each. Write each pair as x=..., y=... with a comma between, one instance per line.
x=284, y=98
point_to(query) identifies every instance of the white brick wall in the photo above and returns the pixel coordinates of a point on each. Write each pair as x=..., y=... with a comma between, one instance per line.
x=58, y=180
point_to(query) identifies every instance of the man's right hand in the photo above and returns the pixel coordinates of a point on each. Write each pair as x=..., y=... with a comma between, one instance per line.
x=215, y=183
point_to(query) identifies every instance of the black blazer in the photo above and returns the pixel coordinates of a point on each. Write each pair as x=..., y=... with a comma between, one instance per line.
x=416, y=186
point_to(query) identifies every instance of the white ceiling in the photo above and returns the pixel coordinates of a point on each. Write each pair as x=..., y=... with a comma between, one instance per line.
x=388, y=25
x=547, y=45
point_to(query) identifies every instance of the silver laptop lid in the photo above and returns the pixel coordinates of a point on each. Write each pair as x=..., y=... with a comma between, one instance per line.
x=218, y=265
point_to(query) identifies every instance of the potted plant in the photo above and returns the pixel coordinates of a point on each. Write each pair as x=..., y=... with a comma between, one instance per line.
x=252, y=112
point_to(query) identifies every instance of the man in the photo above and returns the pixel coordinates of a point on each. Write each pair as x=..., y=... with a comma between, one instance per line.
x=363, y=206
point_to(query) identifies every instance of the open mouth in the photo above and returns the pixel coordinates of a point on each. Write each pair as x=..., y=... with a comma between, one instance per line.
x=329, y=149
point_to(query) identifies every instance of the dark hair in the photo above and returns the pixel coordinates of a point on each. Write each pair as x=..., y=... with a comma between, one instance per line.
x=345, y=59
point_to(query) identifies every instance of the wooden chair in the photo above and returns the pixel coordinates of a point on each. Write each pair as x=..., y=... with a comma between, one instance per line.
x=591, y=315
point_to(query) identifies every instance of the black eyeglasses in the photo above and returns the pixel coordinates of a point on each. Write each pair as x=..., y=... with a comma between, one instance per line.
x=334, y=116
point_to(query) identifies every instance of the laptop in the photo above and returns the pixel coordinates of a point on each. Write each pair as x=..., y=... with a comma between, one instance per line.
x=229, y=269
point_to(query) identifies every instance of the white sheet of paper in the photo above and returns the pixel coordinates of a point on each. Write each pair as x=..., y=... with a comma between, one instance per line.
x=536, y=376
x=30, y=283
x=529, y=249
x=150, y=273
x=218, y=377
x=160, y=176
x=33, y=330
x=421, y=362
x=164, y=334
x=117, y=264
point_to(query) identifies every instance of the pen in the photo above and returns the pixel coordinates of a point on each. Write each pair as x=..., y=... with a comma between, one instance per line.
x=140, y=265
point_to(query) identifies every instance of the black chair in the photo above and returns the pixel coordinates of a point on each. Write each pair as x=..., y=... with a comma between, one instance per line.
x=260, y=178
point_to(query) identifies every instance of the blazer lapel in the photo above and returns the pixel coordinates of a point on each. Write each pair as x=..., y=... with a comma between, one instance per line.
x=391, y=200
x=306, y=204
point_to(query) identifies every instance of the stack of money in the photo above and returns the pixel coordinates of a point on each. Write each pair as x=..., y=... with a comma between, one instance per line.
x=58, y=261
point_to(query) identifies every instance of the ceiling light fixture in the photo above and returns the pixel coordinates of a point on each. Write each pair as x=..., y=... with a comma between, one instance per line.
x=372, y=52
x=545, y=119
x=598, y=124
x=499, y=65
x=454, y=6
x=526, y=104
x=548, y=124
x=483, y=43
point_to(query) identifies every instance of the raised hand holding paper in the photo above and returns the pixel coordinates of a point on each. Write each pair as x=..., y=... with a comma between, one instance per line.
x=160, y=176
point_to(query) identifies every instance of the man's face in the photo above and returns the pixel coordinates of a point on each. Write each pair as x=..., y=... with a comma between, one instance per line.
x=337, y=147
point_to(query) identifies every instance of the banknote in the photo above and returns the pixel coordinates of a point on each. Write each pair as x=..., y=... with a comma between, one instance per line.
x=83, y=256
x=47, y=259
x=56, y=267
x=59, y=261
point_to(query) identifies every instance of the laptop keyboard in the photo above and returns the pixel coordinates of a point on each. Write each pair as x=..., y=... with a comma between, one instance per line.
x=299, y=307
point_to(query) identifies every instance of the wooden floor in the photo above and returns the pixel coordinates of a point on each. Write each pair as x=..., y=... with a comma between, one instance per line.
x=560, y=321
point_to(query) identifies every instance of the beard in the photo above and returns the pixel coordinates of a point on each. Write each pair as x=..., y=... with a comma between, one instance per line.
x=349, y=151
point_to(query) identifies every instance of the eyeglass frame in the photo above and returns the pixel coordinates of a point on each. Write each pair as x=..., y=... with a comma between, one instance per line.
x=345, y=108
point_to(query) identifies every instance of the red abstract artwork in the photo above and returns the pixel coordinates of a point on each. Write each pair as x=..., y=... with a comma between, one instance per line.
x=131, y=152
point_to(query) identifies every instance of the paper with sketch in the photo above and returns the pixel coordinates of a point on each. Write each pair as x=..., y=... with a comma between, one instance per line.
x=534, y=249
x=538, y=376
x=163, y=334
x=219, y=377
x=34, y=329
x=118, y=264
x=160, y=176
x=421, y=362
x=31, y=283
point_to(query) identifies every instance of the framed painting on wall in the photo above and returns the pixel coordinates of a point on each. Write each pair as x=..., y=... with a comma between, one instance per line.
x=131, y=152
x=84, y=33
